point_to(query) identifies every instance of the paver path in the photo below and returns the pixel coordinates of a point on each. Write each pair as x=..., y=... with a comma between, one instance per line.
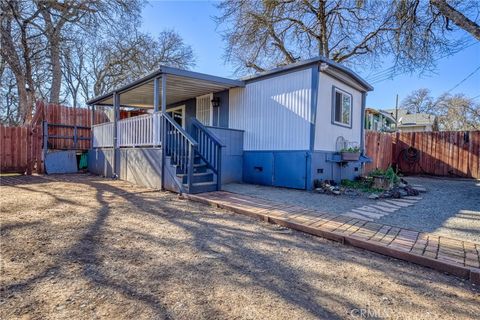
x=454, y=256
x=381, y=208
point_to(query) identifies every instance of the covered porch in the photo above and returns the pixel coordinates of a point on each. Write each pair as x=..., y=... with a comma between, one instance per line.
x=168, y=130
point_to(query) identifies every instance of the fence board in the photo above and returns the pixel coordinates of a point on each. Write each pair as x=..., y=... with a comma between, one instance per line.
x=447, y=153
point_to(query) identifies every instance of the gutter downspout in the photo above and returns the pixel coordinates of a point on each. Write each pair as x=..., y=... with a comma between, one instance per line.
x=313, y=118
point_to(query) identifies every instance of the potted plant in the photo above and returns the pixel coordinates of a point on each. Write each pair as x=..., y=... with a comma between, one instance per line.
x=350, y=154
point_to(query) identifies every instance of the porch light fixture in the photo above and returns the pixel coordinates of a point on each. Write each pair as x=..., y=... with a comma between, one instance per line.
x=216, y=102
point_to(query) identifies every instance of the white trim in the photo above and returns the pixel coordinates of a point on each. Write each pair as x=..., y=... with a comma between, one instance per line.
x=350, y=97
x=210, y=120
x=182, y=107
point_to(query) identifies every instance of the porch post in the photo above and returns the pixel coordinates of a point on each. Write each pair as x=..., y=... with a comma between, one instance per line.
x=164, y=127
x=156, y=102
x=164, y=93
x=116, y=111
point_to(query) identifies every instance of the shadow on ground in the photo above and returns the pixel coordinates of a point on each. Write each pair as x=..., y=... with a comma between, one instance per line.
x=86, y=246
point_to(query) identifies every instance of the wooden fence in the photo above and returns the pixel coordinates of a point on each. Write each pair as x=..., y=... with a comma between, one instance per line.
x=21, y=149
x=68, y=128
x=444, y=153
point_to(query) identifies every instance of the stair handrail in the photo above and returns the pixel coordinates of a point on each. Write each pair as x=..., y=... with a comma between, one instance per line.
x=211, y=156
x=179, y=128
x=185, y=146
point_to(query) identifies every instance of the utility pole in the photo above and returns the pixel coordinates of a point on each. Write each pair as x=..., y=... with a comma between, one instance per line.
x=396, y=113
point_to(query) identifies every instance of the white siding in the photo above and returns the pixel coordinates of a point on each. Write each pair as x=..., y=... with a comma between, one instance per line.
x=326, y=133
x=275, y=113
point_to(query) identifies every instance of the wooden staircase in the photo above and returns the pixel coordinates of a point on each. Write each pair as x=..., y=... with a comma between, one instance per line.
x=196, y=161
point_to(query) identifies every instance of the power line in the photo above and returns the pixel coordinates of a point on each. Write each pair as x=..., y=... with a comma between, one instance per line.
x=464, y=79
x=389, y=72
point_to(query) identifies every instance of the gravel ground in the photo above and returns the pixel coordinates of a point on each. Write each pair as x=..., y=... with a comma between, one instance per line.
x=83, y=247
x=450, y=207
x=323, y=202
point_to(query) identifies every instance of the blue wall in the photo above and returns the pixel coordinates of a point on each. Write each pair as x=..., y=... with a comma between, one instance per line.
x=322, y=169
x=232, y=153
x=276, y=168
x=294, y=169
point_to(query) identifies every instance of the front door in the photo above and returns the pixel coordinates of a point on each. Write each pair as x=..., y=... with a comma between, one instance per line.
x=178, y=115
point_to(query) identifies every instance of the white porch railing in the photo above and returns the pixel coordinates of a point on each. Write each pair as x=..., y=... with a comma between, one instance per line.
x=137, y=131
x=102, y=135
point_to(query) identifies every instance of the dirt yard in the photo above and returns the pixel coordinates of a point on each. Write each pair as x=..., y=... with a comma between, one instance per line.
x=82, y=247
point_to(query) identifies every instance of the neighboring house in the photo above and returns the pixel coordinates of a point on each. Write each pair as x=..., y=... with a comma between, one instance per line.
x=379, y=120
x=414, y=121
x=282, y=127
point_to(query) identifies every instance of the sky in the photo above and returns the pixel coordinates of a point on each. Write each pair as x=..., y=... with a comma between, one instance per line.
x=193, y=20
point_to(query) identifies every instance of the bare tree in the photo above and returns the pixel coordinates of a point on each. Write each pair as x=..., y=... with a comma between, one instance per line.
x=457, y=17
x=458, y=112
x=454, y=112
x=125, y=57
x=263, y=34
x=17, y=50
x=419, y=101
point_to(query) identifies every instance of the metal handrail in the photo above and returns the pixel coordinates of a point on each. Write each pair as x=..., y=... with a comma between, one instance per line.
x=197, y=123
x=179, y=128
x=209, y=149
x=178, y=145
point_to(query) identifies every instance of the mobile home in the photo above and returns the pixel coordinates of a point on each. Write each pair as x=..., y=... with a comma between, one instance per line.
x=286, y=127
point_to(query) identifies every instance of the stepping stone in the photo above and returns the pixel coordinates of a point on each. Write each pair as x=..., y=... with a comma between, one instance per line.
x=368, y=213
x=399, y=203
x=384, y=209
x=356, y=215
x=413, y=198
x=406, y=200
x=372, y=209
x=389, y=205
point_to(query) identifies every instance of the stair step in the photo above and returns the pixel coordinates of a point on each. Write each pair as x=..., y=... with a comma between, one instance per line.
x=201, y=187
x=197, y=177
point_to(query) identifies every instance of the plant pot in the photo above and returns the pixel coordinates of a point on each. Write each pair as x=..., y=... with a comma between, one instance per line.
x=381, y=182
x=350, y=156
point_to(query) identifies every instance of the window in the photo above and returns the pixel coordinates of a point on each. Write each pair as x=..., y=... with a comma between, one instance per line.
x=342, y=108
x=204, y=110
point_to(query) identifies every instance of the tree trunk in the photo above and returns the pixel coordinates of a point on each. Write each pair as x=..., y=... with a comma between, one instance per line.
x=457, y=17
x=56, y=69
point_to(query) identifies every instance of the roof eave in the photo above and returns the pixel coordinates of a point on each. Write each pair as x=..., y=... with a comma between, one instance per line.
x=173, y=71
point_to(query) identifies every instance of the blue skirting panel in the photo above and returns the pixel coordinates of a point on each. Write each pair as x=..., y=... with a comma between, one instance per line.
x=294, y=169
x=276, y=168
x=322, y=169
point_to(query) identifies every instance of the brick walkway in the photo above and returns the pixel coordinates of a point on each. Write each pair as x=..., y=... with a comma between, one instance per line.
x=454, y=256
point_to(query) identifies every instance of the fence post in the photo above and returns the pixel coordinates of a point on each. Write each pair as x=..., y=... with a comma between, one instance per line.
x=45, y=142
x=29, y=150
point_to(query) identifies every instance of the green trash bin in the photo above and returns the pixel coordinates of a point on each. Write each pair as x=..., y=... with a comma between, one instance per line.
x=83, y=164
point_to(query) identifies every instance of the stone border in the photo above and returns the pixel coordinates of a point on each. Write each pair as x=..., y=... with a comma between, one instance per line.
x=453, y=256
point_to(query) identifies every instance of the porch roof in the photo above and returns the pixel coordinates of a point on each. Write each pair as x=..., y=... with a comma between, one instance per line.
x=181, y=85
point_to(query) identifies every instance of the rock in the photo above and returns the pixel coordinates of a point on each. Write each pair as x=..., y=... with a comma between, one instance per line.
x=410, y=191
x=402, y=192
x=373, y=196
x=350, y=192
x=419, y=189
x=401, y=185
x=336, y=192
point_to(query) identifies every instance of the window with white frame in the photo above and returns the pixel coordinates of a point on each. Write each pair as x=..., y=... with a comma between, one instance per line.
x=204, y=109
x=342, y=108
